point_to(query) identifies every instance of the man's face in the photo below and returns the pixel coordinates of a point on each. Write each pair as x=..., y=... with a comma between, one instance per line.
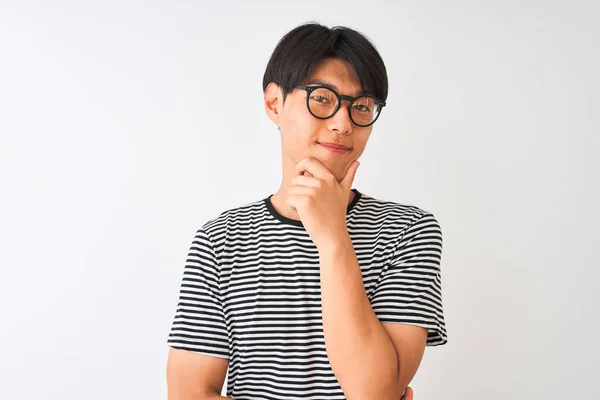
x=303, y=135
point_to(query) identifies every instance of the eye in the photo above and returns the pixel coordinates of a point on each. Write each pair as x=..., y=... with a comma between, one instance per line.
x=320, y=99
x=361, y=108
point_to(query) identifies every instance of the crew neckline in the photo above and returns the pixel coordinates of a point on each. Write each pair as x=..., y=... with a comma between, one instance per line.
x=289, y=221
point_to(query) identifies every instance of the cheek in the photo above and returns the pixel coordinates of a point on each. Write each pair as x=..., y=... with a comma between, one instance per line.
x=302, y=119
x=301, y=130
x=363, y=138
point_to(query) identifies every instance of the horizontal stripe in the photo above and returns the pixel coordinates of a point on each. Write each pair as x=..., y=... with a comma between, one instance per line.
x=251, y=293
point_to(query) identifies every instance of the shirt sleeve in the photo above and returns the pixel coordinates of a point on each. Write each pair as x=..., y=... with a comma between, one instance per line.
x=199, y=323
x=410, y=289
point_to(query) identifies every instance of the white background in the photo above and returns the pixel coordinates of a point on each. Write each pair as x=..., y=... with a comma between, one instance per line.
x=126, y=125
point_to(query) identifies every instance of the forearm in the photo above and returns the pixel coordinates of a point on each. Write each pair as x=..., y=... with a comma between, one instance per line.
x=361, y=353
x=189, y=395
x=192, y=397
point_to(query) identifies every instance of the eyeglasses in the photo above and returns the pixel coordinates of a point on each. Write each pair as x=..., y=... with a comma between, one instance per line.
x=323, y=102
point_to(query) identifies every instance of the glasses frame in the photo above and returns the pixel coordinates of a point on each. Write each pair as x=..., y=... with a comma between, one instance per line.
x=340, y=97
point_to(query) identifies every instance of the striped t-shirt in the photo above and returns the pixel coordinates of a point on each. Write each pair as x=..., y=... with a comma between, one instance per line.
x=251, y=292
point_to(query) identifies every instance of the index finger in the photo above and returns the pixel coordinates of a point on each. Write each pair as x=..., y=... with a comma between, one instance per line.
x=313, y=167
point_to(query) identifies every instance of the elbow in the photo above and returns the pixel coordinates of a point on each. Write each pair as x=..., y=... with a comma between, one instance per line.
x=381, y=389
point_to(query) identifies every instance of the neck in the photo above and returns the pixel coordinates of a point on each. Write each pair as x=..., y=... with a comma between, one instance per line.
x=278, y=200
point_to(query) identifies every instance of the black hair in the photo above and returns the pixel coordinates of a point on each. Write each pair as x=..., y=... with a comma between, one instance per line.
x=298, y=52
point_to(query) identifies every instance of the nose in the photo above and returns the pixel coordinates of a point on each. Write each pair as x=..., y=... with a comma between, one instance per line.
x=340, y=122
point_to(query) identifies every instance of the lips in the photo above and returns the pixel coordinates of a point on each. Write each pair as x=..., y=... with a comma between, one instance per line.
x=335, y=145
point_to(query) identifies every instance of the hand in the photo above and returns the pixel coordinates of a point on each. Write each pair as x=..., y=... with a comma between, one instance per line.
x=408, y=394
x=321, y=201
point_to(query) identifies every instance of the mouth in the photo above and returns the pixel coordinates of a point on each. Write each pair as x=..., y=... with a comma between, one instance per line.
x=336, y=147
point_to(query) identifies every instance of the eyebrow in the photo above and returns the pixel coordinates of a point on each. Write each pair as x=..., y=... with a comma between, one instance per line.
x=332, y=86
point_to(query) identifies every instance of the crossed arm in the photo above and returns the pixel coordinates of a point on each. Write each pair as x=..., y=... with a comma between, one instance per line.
x=194, y=376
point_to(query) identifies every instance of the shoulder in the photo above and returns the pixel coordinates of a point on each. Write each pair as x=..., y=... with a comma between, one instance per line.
x=240, y=216
x=400, y=215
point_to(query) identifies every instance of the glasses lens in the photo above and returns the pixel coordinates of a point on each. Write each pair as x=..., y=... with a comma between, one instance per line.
x=322, y=102
x=365, y=110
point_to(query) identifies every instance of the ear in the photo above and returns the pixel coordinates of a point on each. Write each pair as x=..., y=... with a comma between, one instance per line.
x=273, y=102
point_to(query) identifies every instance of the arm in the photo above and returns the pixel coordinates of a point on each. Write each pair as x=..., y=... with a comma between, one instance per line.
x=194, y=376
x=369, y=359
x=199, y=348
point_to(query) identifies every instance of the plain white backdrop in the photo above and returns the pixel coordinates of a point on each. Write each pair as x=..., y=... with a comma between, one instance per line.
x=125, y=125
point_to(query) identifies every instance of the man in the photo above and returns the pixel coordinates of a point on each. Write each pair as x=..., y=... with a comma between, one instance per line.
x=318, y=291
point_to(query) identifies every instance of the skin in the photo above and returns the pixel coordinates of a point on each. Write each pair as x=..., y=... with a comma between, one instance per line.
x=315, y=189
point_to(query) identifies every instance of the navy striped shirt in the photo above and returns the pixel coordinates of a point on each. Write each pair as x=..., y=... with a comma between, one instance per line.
x=251, y=292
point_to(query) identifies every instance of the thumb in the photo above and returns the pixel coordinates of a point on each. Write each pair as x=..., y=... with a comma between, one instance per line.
x=346, y=183
x=408, y=394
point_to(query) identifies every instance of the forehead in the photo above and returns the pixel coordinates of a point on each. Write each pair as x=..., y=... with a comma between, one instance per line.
x=336, y=74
